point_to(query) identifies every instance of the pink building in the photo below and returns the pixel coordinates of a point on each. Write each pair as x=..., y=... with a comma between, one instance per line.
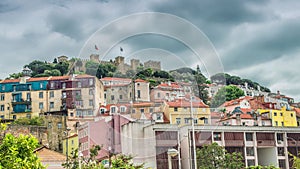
x=104, y=132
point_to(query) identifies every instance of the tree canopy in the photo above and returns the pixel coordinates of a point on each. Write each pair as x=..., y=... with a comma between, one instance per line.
x=224, y=78
x=214, y=156
x=226, y=93
x=18, y=152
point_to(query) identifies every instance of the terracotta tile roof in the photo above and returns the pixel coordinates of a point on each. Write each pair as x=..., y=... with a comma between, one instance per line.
x=297, y=110
x=246, y=116
x=237, y=101
x=141, y=80
x=244, y=110
x=33, y=79
x=184, y=103
x=10, y=81
x=173, y=85
x=84, y=76
x=140, y=104
x=60, y=77
x=47, y=155
x=115, y=79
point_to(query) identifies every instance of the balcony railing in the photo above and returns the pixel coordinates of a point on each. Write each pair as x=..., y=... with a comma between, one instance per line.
x=265, y=143
x=21, y=101
x=234, y=143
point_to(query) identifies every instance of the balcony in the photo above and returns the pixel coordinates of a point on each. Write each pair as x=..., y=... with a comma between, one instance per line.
x=265, y=143
x=163, y=143
x=293, y=143
x=22, y=101
x=234, y=143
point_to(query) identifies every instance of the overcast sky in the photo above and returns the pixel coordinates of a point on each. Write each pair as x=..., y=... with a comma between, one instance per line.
x=255, y=39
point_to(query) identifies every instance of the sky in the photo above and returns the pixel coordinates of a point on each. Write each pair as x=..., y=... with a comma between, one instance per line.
x=254, y=39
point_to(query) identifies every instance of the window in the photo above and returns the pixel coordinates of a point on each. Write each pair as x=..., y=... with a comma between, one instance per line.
x=59, y=125
x=71, y=114
x=52, y=85
x=14, y=88
x=195, y=121
x=186, y=120
x=280, y=114
x=28, y=116
x=217, y=136
x=41, y=85
x=14, y=117
x=121, y=97
x=275, y=114
x=280, y=151
x=2, y=97
x=281, y=163
x=91, y=103
x=51, y=94
x=3, y=87
x=178, y=120
x=41, y=95
x=91, y=82
x=2, y=117
x=79, y=84
x=112, y=97
x=250, y=151
x=139, y=94
x=122, y=109
x=41, y=105
x=205, y=120
x=104, y=95
x=63, y=85
x=133, y=111
x=279, y=136
x=276, y=123
x=249, y=136
x=282, y=123
x=51, y=105
x=64, y=95
x=2, y=108
x=175, y=108
x=151, y=110
x=49, y=125
x=28, y=97
x=158, y=117
x=91, y=92
x=292, y=115
x=113, y=109
x=142, y=110
x=251, y=163
x=158, y=95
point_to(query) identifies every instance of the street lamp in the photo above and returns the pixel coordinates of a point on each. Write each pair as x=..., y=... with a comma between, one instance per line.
x=171, y=153
x=296, y=142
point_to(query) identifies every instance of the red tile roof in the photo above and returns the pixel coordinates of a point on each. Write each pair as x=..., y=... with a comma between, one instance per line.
x=237, y=101
x=115, y=79
x=10, y=81
x=33, y=79
x=60, y=77
x=141, y=80
x=83, y=76
x=246, y=116
x=184, y=103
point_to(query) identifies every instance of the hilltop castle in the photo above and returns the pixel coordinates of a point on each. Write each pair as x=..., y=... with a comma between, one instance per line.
x=79, y=64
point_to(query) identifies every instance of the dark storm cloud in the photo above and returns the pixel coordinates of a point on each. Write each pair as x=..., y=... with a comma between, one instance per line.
x=268, y=43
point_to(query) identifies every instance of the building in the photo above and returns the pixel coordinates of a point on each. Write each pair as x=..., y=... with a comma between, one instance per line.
x=180, y=112
x=70, y=144
x=50, y=158
x=281, y=118
x=170, y=91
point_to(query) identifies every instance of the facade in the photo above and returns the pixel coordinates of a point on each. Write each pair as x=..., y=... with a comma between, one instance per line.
x=170, y=91
x=281, y=118
x=180, y=112
x=70, y=144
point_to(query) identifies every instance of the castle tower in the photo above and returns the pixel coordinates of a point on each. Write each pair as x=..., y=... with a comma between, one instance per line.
x=134, y=63
x=119, y=60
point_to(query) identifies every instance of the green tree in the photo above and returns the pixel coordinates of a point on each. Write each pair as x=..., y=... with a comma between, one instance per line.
x=226, y=93
x=214, y=156
x=91, y=67
x=18, y=152
x=35, y=121
x=200, y=89
x=117, y=162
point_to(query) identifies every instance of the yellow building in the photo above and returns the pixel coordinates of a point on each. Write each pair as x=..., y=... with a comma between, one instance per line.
x=179, y=112
x=283, y=117
x=71, y=145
